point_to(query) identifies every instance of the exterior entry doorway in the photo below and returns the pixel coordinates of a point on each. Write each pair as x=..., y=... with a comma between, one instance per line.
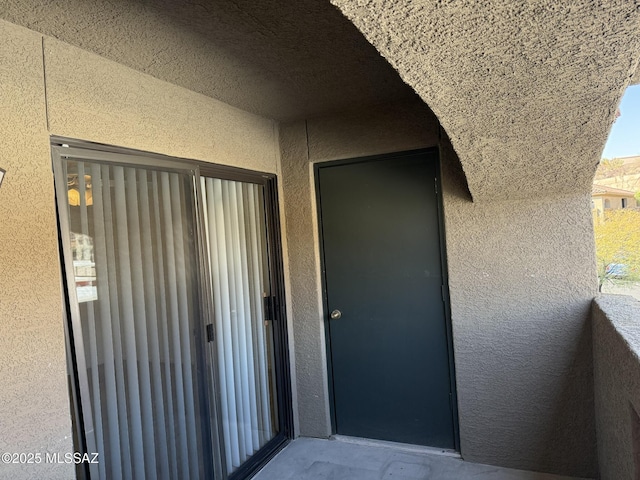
x=388, y=335
x=176, y=330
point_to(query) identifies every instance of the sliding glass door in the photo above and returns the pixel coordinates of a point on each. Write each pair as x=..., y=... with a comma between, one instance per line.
x=170, y=284
x=237, y=254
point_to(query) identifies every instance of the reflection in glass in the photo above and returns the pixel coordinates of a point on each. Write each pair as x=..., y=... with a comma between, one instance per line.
x=236, y=243
x=133, y=257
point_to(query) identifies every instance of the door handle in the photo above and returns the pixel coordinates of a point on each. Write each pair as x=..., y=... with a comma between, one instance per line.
x=335, y=315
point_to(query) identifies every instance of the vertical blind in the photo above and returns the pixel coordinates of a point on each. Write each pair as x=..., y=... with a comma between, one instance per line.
x=132, y=243
x=237, y=254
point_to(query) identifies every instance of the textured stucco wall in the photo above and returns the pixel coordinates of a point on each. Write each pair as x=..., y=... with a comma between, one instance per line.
x=526, y=90
x=521, y=279
x=273, y=58
x=89, y=98
x=521, y=276
x=616, y=352
x=306, y=328
x=34, y=400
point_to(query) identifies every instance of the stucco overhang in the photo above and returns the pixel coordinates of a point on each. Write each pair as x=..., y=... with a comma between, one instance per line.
x=281, y=59
x=527, y=91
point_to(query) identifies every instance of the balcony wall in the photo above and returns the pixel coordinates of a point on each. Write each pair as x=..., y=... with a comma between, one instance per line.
x=616, y=350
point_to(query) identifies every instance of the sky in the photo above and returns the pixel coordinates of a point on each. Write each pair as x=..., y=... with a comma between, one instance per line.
x=624, y=138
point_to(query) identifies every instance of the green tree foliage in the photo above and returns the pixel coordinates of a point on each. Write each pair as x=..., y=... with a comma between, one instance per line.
x=618, y=243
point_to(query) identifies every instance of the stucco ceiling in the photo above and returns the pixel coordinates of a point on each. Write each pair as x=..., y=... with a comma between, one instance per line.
x=281, y=59
x=526, y=90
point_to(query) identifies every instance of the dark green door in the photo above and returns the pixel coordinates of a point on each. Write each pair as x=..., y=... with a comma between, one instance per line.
x=384, y=280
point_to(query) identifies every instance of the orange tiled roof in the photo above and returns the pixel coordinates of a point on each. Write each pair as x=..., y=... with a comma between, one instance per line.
x=599, y=190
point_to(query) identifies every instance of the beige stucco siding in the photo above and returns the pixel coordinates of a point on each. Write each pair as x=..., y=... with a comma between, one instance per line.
x=88, y=98
x=616, y=348
x=615, y=203
x=526, y=90
x=91, y=98
x=34, y=401
x=304, y=313
x=521, y=276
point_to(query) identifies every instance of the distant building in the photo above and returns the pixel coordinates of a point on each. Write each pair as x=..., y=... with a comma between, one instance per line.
x=605, y=198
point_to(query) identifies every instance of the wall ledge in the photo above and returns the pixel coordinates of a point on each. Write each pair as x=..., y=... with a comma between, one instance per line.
x=616, y=349
x=623, y=312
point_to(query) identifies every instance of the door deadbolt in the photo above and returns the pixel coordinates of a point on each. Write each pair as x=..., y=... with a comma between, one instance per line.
x=336, y=314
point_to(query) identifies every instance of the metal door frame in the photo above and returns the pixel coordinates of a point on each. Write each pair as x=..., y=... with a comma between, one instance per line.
x=73, y=148
x=445, y=277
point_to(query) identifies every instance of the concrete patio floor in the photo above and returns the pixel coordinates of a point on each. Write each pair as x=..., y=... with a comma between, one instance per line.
x=351, y=459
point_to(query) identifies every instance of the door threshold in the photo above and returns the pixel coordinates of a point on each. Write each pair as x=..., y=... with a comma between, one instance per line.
x=402, y=447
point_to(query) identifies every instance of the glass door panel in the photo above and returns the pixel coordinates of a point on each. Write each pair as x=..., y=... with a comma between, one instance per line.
x=149, y=268
x=131, y=265
x=235, y=230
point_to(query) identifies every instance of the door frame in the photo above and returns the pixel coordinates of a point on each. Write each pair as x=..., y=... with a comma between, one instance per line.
x=443, y=262
x=206, y=353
